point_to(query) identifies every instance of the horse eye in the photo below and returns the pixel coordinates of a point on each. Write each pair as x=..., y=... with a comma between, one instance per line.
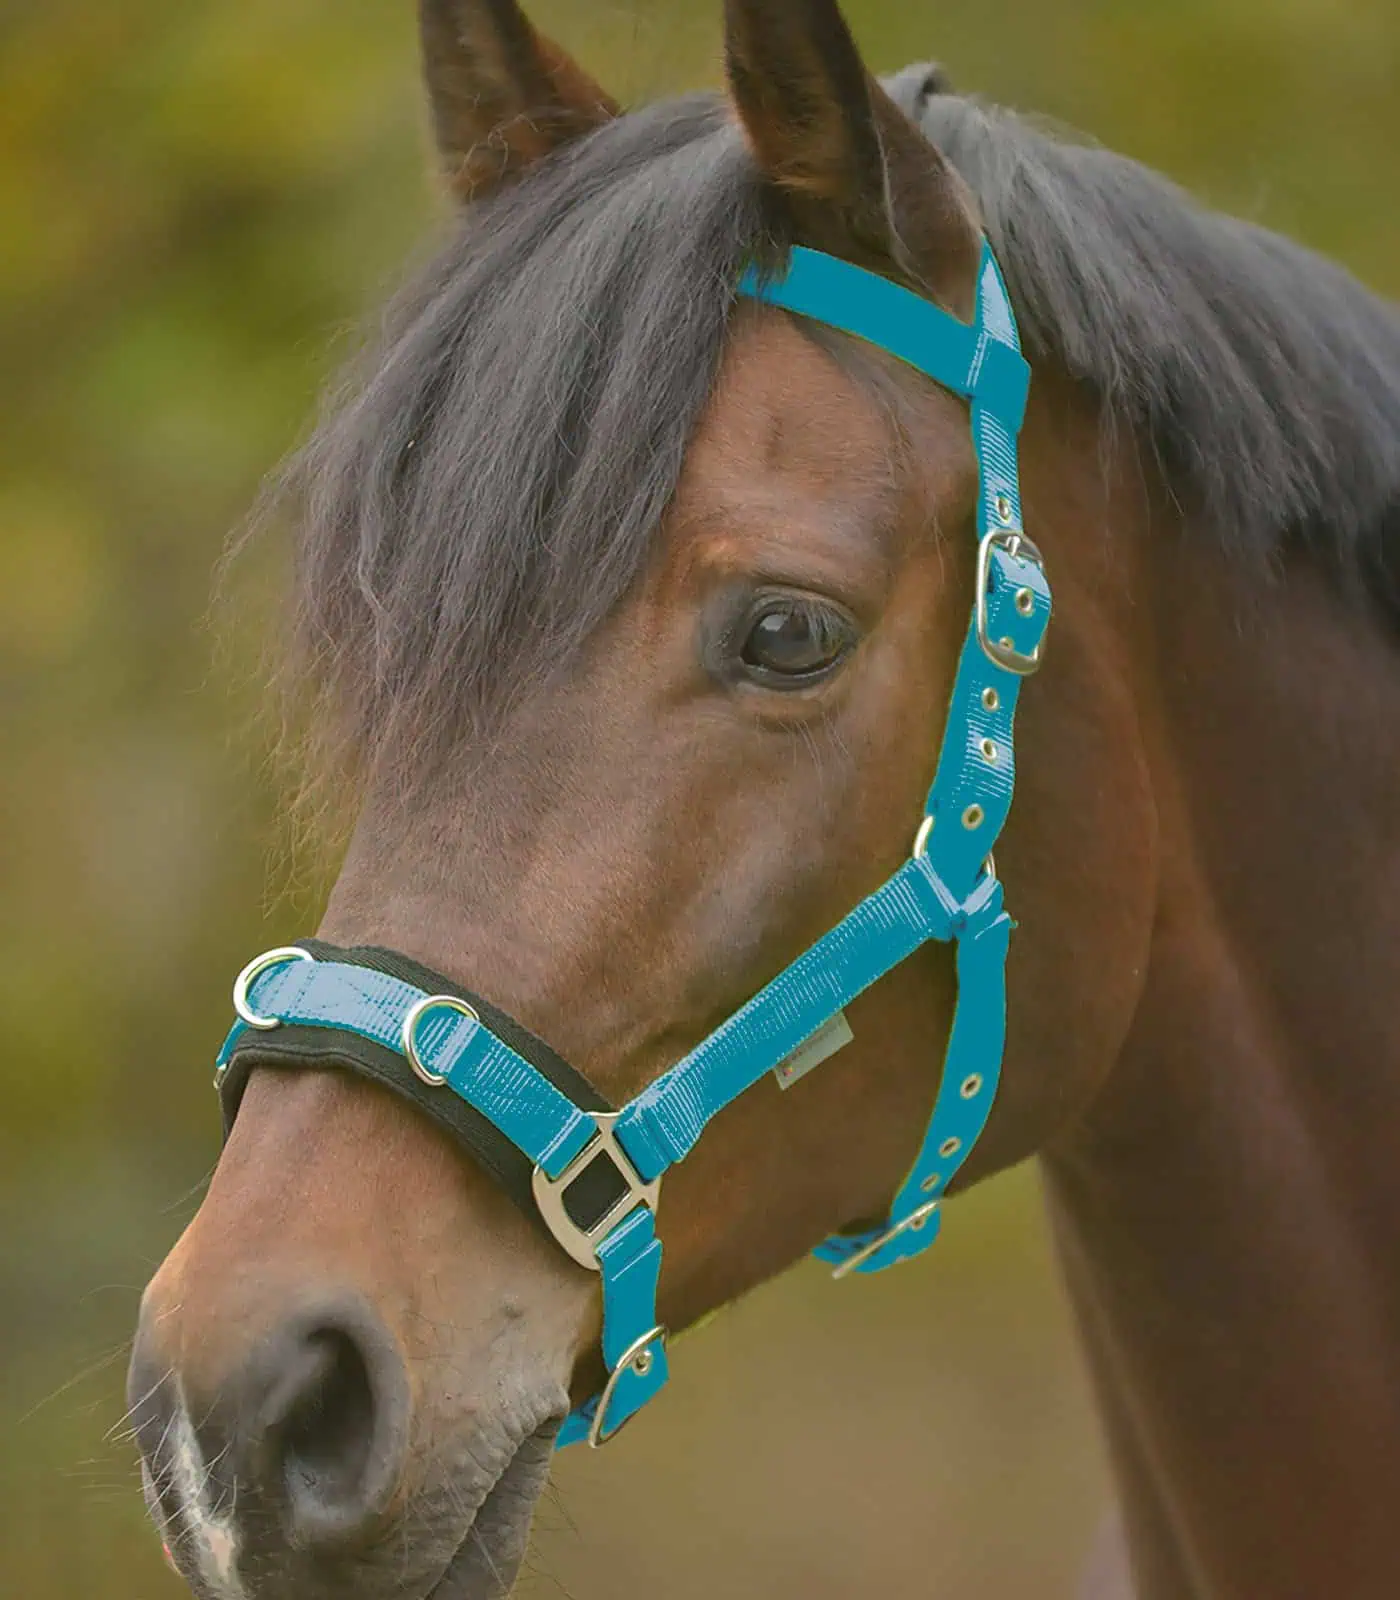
x=793, y=641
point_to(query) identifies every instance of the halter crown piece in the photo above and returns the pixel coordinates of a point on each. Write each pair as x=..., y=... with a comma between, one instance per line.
x=591, y=1173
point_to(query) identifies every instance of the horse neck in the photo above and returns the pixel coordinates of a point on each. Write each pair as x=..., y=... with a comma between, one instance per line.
x=1228, y=1212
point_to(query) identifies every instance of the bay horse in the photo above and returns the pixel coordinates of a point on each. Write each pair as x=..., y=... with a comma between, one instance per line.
x=630, y=604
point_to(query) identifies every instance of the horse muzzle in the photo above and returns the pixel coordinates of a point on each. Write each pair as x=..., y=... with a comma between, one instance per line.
x=289, y=1467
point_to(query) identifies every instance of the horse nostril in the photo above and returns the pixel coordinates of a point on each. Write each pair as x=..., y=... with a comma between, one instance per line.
x=328, y=1429
x=331, y=1429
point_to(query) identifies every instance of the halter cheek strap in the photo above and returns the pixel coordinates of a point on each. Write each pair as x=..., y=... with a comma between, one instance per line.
x=590, y=1174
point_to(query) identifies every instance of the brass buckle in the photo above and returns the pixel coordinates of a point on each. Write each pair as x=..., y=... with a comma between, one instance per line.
x=579, y=1242
x=1002, y=652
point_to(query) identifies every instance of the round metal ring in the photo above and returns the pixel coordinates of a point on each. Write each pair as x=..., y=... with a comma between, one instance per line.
x=258, y=965
x=430, y=1002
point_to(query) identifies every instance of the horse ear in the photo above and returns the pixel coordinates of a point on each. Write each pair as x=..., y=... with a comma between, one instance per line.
x=861, y=178
x=502, y=95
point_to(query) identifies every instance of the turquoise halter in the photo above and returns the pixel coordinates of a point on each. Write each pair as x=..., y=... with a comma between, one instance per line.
x=596, y=1173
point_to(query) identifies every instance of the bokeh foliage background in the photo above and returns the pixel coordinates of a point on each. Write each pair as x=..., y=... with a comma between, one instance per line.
x=199, y=201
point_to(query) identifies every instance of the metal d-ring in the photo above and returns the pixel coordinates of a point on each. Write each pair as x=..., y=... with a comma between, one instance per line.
x=258, y=965
x=637, y=1357
x=430, y=1002
x=921, y=838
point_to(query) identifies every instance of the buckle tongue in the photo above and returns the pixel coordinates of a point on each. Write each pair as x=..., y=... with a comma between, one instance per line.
x=580, y=1237
x=912, y=1223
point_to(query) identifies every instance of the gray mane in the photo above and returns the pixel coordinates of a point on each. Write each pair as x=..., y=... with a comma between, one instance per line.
x=1266, y=378
x=486, y=484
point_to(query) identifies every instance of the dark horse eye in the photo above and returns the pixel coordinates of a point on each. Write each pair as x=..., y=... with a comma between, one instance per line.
x=795, y=640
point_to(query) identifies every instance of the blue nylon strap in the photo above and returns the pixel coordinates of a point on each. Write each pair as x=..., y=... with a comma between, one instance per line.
x=502, y=1085
x=631, y=1261
x=971, y=1072
x=662, y=1124
x=982, y=706
x=973, y=359
x=977, y=764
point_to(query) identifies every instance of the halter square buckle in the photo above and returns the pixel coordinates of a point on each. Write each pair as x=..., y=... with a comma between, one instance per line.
x=617, y=1186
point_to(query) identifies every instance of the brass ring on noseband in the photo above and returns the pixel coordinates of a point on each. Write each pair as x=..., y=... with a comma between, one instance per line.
x=258, y=965
x=430, y=1002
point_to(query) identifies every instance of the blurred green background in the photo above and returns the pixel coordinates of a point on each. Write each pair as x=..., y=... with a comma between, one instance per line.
x=199, y=202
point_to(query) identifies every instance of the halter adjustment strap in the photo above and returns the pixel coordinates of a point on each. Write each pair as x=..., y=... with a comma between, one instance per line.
x=971, y=1074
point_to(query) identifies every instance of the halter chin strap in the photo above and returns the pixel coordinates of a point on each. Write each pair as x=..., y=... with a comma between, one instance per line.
x=594, y=1172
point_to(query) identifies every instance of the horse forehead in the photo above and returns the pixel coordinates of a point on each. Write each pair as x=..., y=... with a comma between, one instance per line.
x=869, y=440
x=783, y=404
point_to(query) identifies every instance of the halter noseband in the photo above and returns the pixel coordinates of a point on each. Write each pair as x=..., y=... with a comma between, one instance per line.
x=591, y=1174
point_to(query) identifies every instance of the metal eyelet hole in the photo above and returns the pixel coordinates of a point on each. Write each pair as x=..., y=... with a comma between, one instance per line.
x=990, y=698
x=641, y=1363
x=971, y=1085
x=1007, y=642
x=1002, y=506
x=1025, y=602
x=949, y=1147
x=918, y=1222
x=930, y=1183
x=973, y=817
x=988, y=747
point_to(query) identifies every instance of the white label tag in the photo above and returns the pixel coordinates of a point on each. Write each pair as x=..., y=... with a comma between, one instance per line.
x=826, y=1041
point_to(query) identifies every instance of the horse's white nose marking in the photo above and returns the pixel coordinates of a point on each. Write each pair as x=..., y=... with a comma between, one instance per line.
x=206, y=1534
